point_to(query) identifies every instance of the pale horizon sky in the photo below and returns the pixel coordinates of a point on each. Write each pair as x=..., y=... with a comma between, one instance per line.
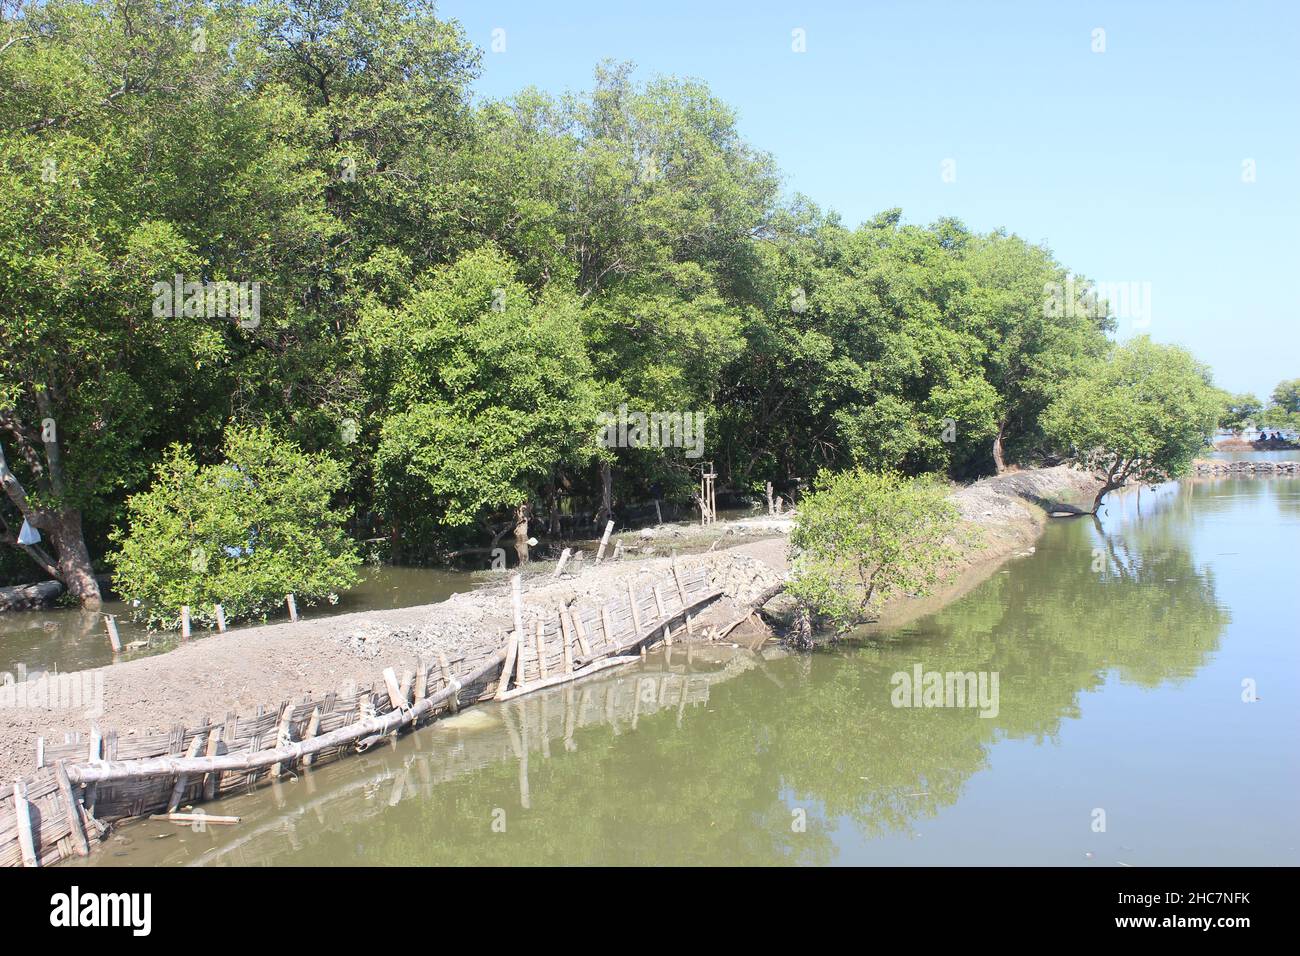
x=1127, y=163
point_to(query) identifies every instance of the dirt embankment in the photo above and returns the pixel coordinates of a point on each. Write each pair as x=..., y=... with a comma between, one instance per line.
x=240, y=670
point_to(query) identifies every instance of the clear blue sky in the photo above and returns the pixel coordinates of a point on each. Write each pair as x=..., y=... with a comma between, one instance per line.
x=1127, y=163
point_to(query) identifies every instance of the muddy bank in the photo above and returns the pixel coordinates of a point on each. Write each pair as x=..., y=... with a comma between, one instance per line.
x=260, y=666
x=256, y=666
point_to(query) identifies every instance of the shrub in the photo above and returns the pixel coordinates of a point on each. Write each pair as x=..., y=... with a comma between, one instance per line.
x=860, y=536
x=242, y=533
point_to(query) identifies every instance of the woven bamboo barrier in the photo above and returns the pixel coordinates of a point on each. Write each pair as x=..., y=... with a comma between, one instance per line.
x=85, y=780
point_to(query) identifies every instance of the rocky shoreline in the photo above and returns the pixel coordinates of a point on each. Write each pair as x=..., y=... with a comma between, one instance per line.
x=1258, y=468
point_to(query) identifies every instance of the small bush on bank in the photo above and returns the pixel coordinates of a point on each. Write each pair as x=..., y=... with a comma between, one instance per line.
x=860, y=536
x=242, y=533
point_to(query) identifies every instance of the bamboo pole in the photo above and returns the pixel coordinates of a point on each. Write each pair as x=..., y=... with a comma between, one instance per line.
x=114, y=639
x=313, y=728
x=23, y=819
x=604, y=541
x=607, y=622
x=564, y=559
x=80, y=845
x=580, y=630
x=567, y=636
x=636, y=615
x=663, y=616
x=540, y=644
x=283, y=734
x=195, y=818
x=514, y=646
x=183, y=780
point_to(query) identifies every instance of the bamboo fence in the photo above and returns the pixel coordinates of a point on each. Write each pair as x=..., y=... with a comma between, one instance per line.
x=89, y=781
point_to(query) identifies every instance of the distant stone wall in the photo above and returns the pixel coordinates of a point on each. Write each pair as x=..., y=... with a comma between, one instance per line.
x=1242, y=468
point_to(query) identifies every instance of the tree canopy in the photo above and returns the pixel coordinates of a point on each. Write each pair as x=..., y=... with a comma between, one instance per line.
x=450, y=291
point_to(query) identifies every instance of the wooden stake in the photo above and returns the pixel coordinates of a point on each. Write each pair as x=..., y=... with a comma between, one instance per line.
x=80, y=845
x=293, y=607
x=23, y=818
x=514, y=649
x=183, y=780
x=115, y=639
x=604, y=541
x=608, y=623
x=541, y=650
x=313, y=728
x=185, y=620
x=395, y=695
x=210, y=780
x=567, y=636
x=564, y=559
x=636, y=615
x=663, y=616
x=283, y=733
x=681, y=591
x=421, y=678
x=659, y=514
x=580, y=630
x=221, y=618
x=450, y=682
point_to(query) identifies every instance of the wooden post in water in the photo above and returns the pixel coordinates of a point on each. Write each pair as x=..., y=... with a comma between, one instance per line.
x=604, y=541
x=115, y=639
x=293, y=607
x=221, y=618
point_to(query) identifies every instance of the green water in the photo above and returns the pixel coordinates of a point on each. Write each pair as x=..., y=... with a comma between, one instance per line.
x=67, y=639
x=1120, y=653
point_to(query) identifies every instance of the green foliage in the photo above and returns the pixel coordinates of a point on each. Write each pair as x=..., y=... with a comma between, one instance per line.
x=488, y=390
x=242, y=533
x=1238, y=412
x=1141, y=415
x=333, y=153
x=862, y=536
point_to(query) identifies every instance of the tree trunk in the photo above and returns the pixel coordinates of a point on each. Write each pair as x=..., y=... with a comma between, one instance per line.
x=1105, y=490
x=999, y=463
x=75, y=570
x=522, y=513
x=606, y=493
